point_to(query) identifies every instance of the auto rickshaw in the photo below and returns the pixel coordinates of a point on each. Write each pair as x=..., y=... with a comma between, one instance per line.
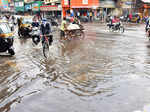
x=136, y=17
x=25, y=26
x=6, y=38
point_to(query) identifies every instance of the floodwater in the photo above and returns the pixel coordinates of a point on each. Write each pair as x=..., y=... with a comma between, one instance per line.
x=105, y=72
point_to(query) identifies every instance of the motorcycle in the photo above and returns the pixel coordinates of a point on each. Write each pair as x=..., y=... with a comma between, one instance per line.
x=6, y=38
x=35, y=34
x=148, y=31
x=53, y=21
x=25, y=26
x=116, y=27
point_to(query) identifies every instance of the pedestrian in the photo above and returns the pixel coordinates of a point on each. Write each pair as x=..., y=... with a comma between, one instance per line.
x=78, y=15
x=63, y=28
x=91, y=16
x=98, y=14
x=147, y=23
x=88, y=15
x=138, y=19
x=130, y=17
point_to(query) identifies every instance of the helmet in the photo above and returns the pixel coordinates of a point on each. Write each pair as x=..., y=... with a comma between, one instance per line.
x=44, y=19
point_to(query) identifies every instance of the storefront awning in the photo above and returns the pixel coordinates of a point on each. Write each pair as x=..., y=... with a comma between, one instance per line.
x=146, y=1
x=146, y=6
x=50, y=8
x=83, y=7
x=107, y=4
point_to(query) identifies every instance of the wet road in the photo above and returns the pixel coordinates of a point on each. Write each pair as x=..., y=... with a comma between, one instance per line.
x=105, y=72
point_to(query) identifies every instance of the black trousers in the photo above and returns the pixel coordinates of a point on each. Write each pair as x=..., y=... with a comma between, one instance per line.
x=50, y=39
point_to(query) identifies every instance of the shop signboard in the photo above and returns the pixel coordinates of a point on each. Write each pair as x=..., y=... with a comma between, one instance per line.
x=146, y=1
x=51, y=1
x=50, y=8
x=4, y=4
x=19, y=6
x=107, y=3
x=126, y=4
x=28, y=7
x=36, y=5
x=66, y=2
x=85, y=2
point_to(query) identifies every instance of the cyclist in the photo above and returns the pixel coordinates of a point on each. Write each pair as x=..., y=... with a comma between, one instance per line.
x=45, y=29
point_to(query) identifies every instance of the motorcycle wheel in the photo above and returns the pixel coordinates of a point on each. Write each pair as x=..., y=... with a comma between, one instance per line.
x=80, y=34
x=121, y=29
x=11, y=52
x=36, y=40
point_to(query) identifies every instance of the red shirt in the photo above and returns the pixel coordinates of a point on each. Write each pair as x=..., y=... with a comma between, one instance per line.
x=130, y=16
x=72, y=19
x=115, y=20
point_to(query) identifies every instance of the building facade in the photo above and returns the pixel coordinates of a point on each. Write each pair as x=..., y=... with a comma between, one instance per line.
x=51, y=8
x=4, y=5
x=81, y=6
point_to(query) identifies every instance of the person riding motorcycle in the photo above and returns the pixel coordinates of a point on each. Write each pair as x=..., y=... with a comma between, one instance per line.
x=45, y=29
x=147, y=24
x=77, y=21
x=19, y=22
x=115, y=22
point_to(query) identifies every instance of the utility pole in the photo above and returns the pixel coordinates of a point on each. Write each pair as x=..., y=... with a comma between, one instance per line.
x=69, y=5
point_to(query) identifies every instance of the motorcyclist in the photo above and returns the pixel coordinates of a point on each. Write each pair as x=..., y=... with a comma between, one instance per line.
x=13, y=20
x=147, y=23
x=35, y=23
x=76, y=21
x=45, y=29
x=19, y=22
x=116, y=22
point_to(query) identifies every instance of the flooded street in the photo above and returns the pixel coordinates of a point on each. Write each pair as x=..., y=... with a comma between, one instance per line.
x=105, y=72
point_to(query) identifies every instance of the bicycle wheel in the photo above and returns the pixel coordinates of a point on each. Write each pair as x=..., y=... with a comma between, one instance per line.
x=46, y=49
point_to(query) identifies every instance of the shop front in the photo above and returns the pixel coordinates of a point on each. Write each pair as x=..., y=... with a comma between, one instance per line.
x=145, y=7
x=19, y=6
x=127, y=7
x=79, y=6
x=28, y=7
x=51, y=10
x=107, y=7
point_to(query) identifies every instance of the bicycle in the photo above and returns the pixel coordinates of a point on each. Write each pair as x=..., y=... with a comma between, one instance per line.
x=46, y=42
